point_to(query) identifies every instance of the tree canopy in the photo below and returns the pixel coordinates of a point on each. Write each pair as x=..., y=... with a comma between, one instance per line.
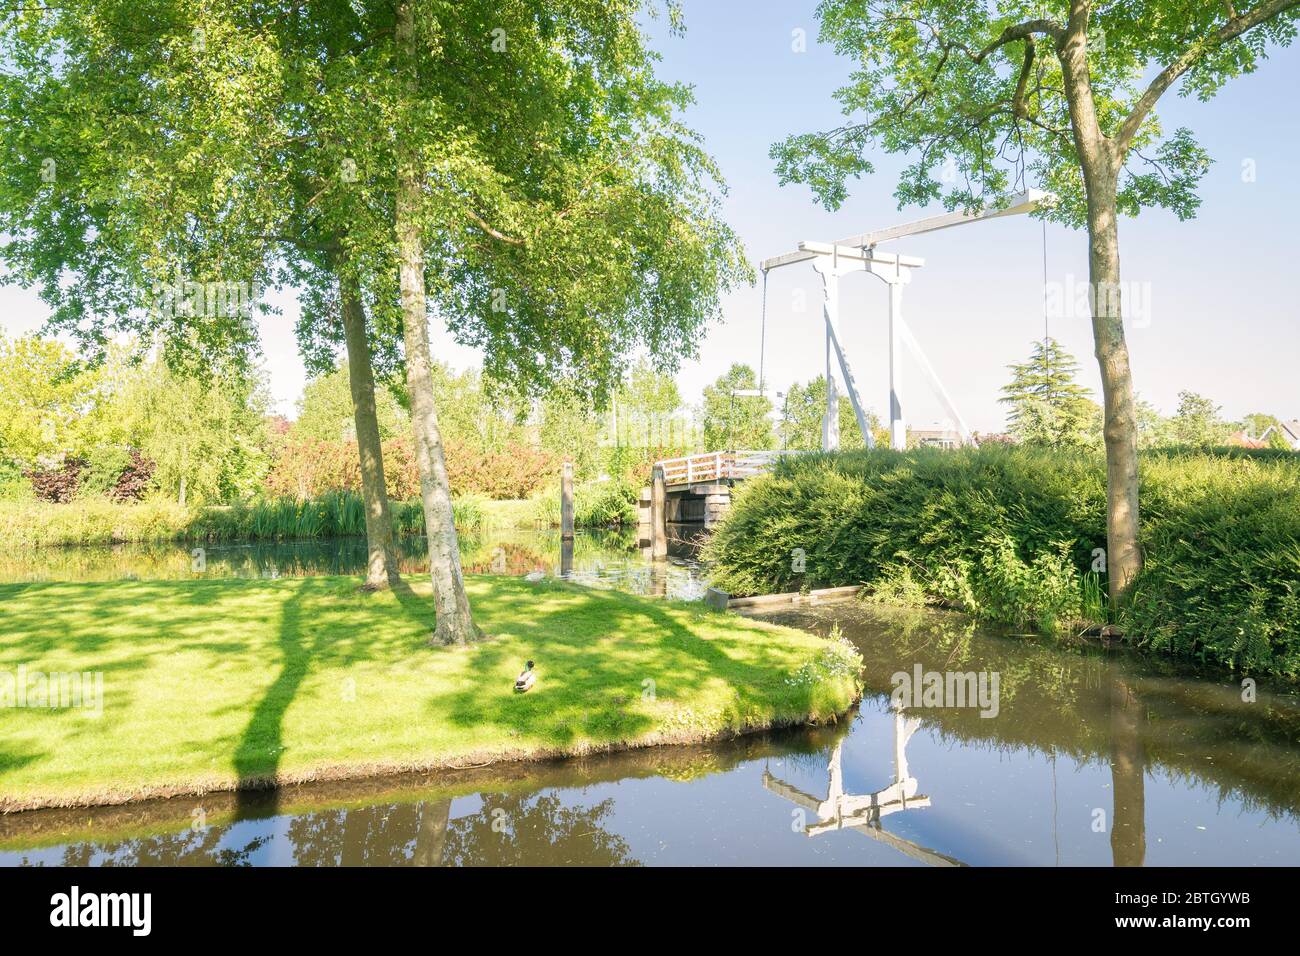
x=975, y=94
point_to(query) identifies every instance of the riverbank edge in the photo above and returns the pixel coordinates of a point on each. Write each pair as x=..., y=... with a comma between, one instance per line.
x=379, y=770
x=50, y=826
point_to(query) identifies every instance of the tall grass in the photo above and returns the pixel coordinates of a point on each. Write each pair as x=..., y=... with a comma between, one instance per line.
x=596, y=504
x=99, y=521
x=1012, y=535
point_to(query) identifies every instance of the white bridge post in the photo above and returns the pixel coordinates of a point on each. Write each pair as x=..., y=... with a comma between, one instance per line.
x=831, y=313
x=897, y=425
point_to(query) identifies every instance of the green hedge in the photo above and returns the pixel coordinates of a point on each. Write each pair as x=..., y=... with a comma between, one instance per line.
x=1009, y=534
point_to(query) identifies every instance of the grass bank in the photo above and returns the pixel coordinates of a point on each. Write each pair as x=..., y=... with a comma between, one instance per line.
x=225, y=684
x=1011, y=535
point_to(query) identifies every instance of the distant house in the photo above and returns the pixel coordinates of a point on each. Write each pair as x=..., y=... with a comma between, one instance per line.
x=1290, y=433
x=935, y=438
x=1243, y=440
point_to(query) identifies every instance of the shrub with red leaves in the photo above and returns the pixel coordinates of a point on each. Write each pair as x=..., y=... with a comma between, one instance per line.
x=58, y=484
x=133, y=482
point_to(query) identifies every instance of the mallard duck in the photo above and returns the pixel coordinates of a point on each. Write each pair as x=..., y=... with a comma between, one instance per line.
x=526, y=679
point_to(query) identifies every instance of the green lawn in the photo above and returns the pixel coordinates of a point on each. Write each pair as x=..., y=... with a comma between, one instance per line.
x=208, y=684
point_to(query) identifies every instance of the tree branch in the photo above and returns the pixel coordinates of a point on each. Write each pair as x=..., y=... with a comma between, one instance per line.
x=495, y=234
x=1021, y=31
x=1234, y=28
x=1022, y=82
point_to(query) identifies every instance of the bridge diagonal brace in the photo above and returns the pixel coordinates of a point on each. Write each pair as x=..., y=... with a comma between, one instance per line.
x=851, y=386
x=913, y=346
x=830, y=268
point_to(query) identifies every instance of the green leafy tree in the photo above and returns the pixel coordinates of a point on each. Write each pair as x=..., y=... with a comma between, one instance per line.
x=730, y=421
x=1154, y=429
x=478, y=413
x=570, y=428
x=1197, y=422
x=208, y=439
x=326, y=411
x=802, y=411
x=986, y=96
x=647, y=406
x=345, y=141
x=1047, y=405
x=47, y=400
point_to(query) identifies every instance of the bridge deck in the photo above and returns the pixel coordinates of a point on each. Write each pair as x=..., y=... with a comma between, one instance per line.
x=717, y=466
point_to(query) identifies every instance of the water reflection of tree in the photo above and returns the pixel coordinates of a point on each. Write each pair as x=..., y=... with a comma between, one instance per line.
x=1128, y=834
x=525, y=551
x=536, y=829
x=193, y=847
x=395, y=834
x=509, y=830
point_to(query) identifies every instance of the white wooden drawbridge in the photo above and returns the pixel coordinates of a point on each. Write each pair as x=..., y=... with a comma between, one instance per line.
x=858, y=254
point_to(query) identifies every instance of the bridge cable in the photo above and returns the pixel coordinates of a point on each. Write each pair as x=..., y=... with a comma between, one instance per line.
x=1047, y=341
x=762, y=341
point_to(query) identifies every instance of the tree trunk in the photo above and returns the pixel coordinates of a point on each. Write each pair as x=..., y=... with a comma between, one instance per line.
x=1123, y=554
x=1101, y=166
x=454, y=623
x=381, y=563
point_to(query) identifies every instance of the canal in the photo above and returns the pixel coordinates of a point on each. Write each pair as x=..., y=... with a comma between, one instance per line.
x=1090, y=757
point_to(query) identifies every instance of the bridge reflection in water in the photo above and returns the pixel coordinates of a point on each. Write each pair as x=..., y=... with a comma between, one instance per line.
x=862, y=813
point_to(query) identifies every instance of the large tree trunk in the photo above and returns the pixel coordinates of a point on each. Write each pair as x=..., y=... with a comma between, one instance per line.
x=1123, y=554
x=381, y=563
x=454, y=623
x=1101, y=167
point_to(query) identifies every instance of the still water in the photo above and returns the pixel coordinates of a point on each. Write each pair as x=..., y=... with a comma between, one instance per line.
x=1094, y=757
x=601, y=558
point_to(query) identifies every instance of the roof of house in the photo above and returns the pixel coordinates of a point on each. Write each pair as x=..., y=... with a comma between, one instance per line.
x=1242, y=440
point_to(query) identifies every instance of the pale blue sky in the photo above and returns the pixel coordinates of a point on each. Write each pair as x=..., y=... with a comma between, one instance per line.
x=1224, y=315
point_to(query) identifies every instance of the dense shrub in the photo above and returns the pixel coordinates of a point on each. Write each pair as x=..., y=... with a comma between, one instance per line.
x=14, y=484
x=308, y=468
x=516, y=471
x=1009, y=535
x=134, y=480
x=59, y=484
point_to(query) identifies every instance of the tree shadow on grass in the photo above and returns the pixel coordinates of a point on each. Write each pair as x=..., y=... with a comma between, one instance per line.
x=261, y=746
x=595, y=666
x=303, y=644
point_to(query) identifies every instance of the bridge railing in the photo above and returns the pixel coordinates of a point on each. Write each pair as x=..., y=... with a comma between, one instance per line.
x=718, y=466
